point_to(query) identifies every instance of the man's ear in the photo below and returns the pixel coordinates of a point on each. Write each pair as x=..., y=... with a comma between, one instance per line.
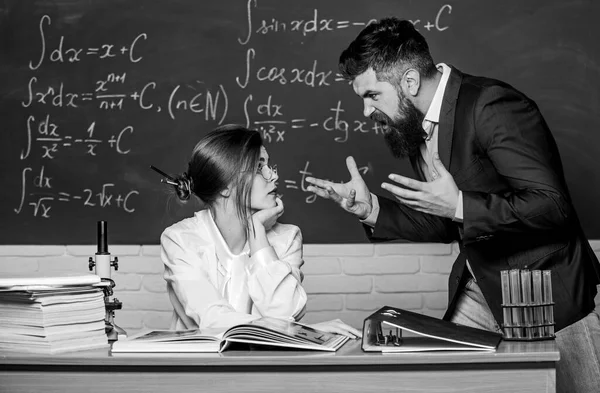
x=412, y=80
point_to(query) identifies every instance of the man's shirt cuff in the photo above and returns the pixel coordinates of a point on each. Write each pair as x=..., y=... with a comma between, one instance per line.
x=458, y=213
x=372, y=218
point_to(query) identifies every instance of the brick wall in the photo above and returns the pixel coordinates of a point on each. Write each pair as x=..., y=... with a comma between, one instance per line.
x=346, y=281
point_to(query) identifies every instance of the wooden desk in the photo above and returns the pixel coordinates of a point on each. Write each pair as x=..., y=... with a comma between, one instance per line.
x=515, y=367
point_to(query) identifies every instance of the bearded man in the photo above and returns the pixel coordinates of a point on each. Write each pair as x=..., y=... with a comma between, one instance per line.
x=489, y=176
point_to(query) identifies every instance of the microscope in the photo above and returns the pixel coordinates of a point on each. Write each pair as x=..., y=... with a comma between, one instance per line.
x=102, y=263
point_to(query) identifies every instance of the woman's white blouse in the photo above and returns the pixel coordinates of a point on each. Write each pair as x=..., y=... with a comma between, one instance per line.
x=207, y=290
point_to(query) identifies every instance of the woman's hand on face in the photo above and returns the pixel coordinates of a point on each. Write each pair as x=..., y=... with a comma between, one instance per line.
x=337, y=326
x=268, y=217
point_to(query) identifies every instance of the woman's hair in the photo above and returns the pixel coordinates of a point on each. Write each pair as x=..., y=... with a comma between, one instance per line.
x=228, y=155
x=390, y=47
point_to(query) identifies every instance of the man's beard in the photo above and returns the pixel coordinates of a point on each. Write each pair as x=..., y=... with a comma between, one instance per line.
x=403, y=136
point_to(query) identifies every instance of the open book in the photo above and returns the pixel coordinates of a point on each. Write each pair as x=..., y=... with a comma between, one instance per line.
x=263, y=331
x=383, y=332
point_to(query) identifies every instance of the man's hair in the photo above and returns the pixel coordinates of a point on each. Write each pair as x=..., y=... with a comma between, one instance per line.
x=390, y=47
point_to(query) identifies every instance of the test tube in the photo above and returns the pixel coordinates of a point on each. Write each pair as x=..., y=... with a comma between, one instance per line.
x=526, y=296
x=538, y=311
x=549, y=308
x=515, y=297
x=506, y=303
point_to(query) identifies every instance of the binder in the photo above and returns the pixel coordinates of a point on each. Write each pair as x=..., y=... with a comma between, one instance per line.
x=383, y=332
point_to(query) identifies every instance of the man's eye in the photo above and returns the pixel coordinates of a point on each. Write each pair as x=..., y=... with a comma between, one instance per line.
x=373, y=96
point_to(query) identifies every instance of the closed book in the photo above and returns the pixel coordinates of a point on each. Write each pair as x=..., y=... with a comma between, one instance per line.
x=8, y=281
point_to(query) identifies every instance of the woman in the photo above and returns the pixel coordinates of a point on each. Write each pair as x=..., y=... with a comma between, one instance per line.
x=233, y=262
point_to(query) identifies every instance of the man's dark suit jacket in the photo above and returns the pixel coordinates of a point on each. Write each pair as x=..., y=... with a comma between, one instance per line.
x=517, y=212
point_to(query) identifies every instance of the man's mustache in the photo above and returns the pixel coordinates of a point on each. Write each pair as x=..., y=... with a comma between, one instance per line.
x=380, y=117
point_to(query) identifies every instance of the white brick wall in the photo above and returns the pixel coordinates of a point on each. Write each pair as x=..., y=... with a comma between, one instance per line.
x=347, y=281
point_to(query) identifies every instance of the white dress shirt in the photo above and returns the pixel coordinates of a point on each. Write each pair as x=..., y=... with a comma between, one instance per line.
x=211, y=287
x=428, y=150
x=430, y=125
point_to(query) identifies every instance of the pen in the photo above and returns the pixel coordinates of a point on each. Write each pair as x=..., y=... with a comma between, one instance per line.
x=168, y=180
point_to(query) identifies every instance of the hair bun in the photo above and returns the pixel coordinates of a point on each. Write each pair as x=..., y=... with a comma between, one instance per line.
x=184, y=187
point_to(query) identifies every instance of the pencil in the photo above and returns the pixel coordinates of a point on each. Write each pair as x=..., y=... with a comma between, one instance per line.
x=162, y=173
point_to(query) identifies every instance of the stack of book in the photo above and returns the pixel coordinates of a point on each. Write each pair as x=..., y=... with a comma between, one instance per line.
x=51, y=313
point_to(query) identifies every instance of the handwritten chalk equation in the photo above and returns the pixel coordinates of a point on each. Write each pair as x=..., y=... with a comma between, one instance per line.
x=301, y=184
x=46, y=134
x=62, y=53
x=317, y=23
x=273, y=126
x=43, y=197
x=274, y=131
x=310, y=76
x=195, y=99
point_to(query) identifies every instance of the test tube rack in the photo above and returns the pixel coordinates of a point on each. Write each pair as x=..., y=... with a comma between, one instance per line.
x=527, y=306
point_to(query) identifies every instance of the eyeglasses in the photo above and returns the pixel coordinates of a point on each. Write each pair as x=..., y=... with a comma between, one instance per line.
x=267, y=172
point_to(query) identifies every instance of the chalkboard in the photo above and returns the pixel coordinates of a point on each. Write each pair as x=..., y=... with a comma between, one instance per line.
x=92, y=92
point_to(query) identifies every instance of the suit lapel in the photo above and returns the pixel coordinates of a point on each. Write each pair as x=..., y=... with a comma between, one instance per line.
x=446, y=126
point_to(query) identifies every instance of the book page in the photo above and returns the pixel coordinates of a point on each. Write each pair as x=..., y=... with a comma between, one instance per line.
x=171, y=336
x=283, y=329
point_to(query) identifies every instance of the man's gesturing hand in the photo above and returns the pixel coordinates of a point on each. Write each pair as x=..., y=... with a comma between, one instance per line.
x=438, y=197
x=353, y=196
